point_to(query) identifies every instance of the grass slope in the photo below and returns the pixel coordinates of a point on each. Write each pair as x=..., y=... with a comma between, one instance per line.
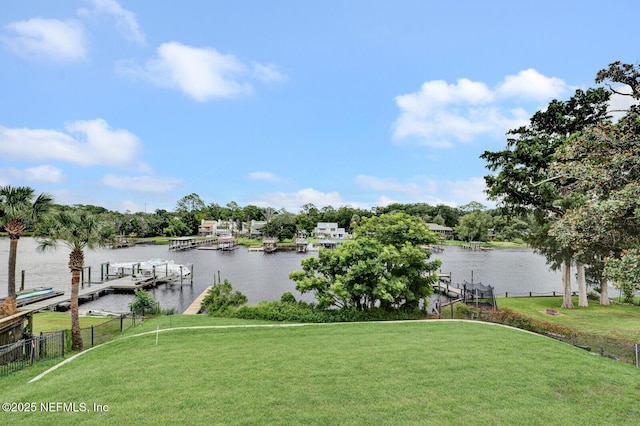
x=407, y=373
x=55, y=321
x=619, y=321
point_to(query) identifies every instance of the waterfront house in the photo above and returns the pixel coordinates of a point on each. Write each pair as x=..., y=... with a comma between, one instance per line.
x=444, y=232
x=255, y=230
x=329, y=230
x=216, y=228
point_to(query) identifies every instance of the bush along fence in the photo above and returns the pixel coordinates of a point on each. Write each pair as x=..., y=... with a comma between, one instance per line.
x=16, y=356
x=610, y=347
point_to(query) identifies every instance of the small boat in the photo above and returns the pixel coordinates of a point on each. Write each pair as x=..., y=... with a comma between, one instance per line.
x=33, y=295
x=33, y=292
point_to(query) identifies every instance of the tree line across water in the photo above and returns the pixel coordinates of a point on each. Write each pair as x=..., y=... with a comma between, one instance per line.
x=470, y=222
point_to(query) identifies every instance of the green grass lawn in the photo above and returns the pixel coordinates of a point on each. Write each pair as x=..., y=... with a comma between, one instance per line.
x=55, y=321
x=408, y=373
x=618, y=321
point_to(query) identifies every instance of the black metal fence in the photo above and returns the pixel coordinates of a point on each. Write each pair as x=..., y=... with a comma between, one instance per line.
x=610, y=347
x=101, y=333
x=16, y=356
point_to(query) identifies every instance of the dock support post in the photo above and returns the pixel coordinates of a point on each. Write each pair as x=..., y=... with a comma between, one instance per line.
x=30, y=323
x=191, y=274
x=22, y=281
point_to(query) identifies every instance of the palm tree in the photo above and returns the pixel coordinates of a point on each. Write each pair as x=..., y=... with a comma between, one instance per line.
x=18, y=211
x=76, y=230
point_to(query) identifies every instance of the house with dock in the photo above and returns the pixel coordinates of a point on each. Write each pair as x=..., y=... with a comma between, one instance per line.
x=444, y=232
x=255, y=229
x=216, y=228
x=329, y=230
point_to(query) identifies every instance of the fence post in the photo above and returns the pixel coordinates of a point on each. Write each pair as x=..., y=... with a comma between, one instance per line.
x=63, y=341
x=92, y=336
x=635, y=346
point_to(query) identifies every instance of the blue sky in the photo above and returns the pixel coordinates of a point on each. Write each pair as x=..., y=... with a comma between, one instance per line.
x=132, y=105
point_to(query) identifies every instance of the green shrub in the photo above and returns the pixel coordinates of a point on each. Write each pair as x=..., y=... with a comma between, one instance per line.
x=515, y=319
x=288, y=297
x=222, y=297
x=310, y=313
x=143, y=302
x=466, y=311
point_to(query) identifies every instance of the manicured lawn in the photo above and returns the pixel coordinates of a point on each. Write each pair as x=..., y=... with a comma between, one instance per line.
x=618, y=321
x=434, y=372
x=55, y=321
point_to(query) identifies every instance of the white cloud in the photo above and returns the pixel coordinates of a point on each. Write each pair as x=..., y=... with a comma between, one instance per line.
x=41, y=174
x=141, y=183
x=267, y=73
x=391, y=184
x=293, y=201
x=200, y=73
x=463, y=191
x=86, y=143
x=52, y=39
x=441, y=114
x=125, y=20
x=530, y=84
x=429, y=191
x=266, y=176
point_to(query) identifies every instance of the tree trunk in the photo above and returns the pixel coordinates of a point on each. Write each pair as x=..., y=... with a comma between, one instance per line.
x=13, y=252
x=76, y=335
x=583, y=302
x=567, y=303
x=604, y=292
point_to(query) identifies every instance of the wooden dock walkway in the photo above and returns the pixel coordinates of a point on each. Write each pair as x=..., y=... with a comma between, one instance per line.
x=448, y=290
x=92, y=291
x=194, y=308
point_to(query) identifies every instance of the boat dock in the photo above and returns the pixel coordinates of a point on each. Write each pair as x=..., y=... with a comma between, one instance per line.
x=188, y=243
x=194, y=308
x=91, y=291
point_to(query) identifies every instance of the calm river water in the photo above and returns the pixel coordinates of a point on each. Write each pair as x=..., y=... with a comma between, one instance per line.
x=262, y=276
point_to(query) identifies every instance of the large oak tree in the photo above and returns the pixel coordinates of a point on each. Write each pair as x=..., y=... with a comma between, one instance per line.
x=524, y=182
